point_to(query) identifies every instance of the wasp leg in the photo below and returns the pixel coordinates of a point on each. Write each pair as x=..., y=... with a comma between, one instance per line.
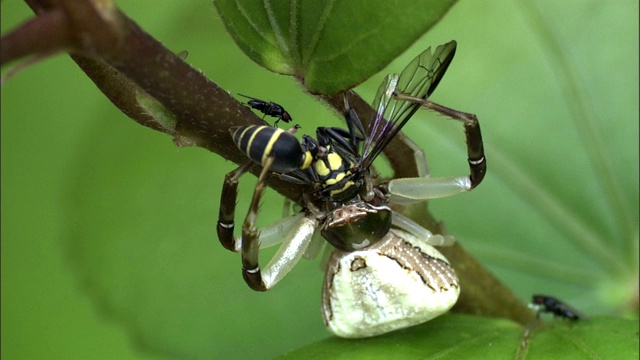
x=417, y=189
x=228, y=207
x=293, y=247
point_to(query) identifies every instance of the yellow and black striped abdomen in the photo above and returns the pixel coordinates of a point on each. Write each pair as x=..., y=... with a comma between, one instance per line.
x=260, y=142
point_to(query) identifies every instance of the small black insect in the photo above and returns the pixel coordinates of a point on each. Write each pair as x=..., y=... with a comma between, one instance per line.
x=268, y=108
x=549, y=304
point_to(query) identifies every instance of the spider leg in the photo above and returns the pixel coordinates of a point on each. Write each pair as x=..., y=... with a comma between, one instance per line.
x=424, y=188
x=404, y=223
x=419, y=157
x=294, y=243
x=228, y=199
x=475, y=146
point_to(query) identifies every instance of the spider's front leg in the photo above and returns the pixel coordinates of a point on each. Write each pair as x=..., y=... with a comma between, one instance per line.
x=295, y=233
x=475, y=146
x=226, y=214
x=250, y=245
x=409, y=190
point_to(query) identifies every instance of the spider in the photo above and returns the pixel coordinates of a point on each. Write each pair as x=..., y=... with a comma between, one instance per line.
x=384, y=273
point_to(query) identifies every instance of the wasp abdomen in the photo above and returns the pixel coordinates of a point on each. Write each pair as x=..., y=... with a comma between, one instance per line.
x=260, y=142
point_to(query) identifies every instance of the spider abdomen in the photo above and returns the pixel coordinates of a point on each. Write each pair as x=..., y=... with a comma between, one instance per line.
x=399, y=282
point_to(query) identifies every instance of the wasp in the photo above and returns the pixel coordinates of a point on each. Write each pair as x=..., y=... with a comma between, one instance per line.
x=384, y=273
x=549, y=304
x=268, y=108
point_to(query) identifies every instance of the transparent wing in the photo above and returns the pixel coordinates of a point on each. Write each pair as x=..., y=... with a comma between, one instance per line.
x=419, y=79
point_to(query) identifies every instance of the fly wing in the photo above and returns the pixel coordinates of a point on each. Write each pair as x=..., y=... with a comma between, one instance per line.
x=419, y=79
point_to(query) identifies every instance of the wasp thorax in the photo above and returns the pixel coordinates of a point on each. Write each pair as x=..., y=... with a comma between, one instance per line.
x=357, y=225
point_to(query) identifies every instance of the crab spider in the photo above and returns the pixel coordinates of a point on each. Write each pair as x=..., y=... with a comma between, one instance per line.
x=384, y=273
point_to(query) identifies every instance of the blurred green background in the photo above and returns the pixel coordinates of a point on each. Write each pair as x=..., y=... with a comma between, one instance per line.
x=108, y=242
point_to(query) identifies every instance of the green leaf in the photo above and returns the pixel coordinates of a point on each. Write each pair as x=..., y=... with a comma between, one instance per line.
x=600, y=338
x=447, y=337
x=148, y=249
x=137, y=215
x=468, y=337
x=329, y=45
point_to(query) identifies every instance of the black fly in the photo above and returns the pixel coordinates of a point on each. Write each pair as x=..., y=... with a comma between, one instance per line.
x=549, y=304
x=268, y=108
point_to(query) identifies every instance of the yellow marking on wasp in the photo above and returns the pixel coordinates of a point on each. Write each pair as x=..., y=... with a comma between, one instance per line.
x=336, y=179
x=272, y=140
x=307, y=160
x=347, y=185
x=240, y=137
x=335, y=161
x=320, y=168
x=252, y=136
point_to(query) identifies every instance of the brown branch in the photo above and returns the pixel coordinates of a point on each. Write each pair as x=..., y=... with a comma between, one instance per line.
x=125, y=62
x=44, y=34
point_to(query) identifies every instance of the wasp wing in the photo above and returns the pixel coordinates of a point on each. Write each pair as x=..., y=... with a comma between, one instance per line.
x=419, y=79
